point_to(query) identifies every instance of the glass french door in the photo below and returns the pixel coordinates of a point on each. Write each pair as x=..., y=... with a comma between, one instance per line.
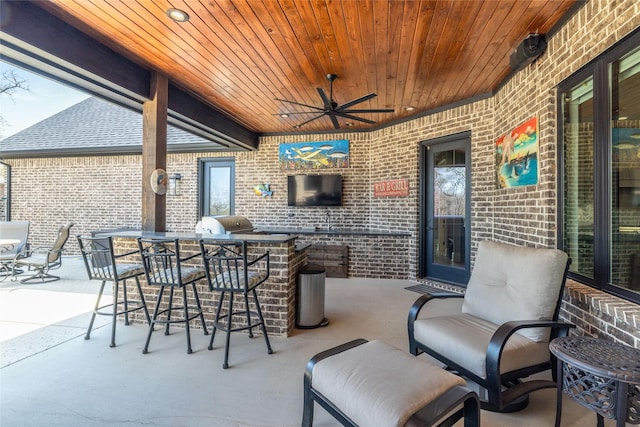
x=445, y=209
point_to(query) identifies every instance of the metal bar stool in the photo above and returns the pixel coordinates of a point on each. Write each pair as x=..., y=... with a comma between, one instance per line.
x=100, y=262
x=164, y=267
x=230, y=272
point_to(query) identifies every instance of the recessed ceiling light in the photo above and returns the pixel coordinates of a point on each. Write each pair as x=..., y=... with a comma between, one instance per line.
x=178, y=15
x=409, y=108
x=348, y=124
x=622, y=118
x=284, y=115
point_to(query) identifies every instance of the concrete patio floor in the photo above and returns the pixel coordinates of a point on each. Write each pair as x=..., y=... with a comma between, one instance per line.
x=51, y=376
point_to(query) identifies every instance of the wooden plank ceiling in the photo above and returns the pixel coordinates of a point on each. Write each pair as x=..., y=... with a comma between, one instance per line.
x=242, y=55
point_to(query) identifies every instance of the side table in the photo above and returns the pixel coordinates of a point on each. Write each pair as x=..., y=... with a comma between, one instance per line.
x=600, y=375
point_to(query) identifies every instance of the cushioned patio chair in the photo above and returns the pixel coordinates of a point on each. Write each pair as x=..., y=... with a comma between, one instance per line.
x=42, y=260
x=12, y=230
x=498, y=333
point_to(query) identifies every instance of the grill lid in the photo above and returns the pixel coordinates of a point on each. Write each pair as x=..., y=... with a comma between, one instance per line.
x=224, y=225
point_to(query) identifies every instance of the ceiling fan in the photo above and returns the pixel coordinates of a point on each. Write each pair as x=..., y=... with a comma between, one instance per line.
x=333, y=110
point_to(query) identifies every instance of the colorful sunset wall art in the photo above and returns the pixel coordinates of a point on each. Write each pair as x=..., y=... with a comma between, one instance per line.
x=517, y=156
x=314, y=155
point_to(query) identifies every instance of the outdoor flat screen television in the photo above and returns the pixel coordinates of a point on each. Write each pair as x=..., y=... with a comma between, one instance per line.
x=315, y=190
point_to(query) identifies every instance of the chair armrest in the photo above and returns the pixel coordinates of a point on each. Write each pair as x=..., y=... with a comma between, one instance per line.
x=415, y=309
x=256, y=260
x=126, y=254
x=197, y=254
x=499, y=340
x=502, y=334
x=23, y=250
x=39, y=251
x=261, y=258
x=424, y=299
x=27, y=252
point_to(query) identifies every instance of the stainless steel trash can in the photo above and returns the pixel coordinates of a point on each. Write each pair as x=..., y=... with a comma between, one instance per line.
x=311, y=284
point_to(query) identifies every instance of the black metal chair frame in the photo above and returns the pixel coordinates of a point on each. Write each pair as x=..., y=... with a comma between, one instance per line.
x=505, y=392
x=50, y=259
x=436, y=413
x=100, y=262
x=163, y=267
x=227, y=271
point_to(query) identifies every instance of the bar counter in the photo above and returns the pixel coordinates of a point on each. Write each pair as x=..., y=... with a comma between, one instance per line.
x=277, y=295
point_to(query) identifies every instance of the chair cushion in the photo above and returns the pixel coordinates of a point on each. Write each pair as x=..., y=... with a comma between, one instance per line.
x=169, y=276
x=523, y=282
x=35, y=260
x=129, y=270
x=228, y=280
x=376, y=384
x=464, y=338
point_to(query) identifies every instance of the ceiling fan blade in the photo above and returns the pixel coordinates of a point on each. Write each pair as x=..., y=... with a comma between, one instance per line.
x=302, y=105
x=356, y=101
x=310, y=120
x=332, y=115
x=294, y=113
x=334, y=111
x=379, y=110
x=360, y=119
x=325, y=100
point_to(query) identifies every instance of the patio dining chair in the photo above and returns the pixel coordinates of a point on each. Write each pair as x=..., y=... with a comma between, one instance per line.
x=12, y=231
x=42, y=260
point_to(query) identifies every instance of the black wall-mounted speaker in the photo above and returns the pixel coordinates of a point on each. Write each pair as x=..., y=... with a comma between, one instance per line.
x=527, y=51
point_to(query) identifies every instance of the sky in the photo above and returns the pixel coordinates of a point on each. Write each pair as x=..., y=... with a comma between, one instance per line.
x=44, y=99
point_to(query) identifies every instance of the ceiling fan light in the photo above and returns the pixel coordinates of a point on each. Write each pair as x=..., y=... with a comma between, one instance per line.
x=178, y=15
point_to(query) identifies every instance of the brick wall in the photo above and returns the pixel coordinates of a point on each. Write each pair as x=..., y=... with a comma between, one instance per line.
x=92, y=192
x=105, y=192
x=600, y=315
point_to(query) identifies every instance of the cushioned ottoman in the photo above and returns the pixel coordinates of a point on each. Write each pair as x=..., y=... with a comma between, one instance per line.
x=364, y=383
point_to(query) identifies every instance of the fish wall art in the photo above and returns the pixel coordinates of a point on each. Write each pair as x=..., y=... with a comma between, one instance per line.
x=314, y=155
x=517, y=156
x=262, y=190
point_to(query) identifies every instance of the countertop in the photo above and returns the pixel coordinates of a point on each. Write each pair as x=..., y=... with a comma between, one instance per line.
x=329, y=231
x=262, y=234
x=252, y=237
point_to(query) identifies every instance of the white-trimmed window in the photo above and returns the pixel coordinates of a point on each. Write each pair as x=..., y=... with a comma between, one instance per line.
x=217, y=192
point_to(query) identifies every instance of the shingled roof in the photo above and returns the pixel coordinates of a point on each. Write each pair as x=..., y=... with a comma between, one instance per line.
x=95, y=127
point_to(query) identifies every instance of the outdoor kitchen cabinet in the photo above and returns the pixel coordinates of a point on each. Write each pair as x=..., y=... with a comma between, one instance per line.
x=334, y=258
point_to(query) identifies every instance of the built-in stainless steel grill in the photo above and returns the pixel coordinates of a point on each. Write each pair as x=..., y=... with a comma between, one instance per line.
x=224, y=225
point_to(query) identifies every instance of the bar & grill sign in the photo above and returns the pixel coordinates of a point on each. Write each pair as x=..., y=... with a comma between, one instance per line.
x=396, y=187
